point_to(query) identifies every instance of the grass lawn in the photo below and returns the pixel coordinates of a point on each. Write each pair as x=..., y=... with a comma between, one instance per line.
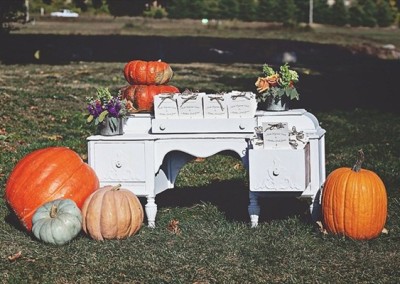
x=44, y=105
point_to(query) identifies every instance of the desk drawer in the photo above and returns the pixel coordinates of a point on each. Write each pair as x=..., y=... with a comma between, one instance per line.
x=119, y=162
x=279, y=170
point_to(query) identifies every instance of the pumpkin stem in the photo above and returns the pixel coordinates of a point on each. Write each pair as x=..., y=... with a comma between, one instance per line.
x=53, y=211
x=360, y=160
x=116, y=187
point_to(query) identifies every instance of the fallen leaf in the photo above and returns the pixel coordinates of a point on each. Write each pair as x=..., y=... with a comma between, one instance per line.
x=15, y=256
x=84, y=156
x=321, y=228
x=53, y=137
x=173, y=227
x=237, y=166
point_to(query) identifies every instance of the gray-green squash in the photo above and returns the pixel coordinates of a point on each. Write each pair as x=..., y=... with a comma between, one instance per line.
x=57, y=222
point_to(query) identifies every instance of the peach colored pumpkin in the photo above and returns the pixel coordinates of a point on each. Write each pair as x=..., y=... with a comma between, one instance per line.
x=112, y=212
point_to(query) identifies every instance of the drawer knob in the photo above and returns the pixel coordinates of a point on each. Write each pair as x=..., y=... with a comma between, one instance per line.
x=162, y=127
x=118, y=165
x=241, y=127
x=275, y=172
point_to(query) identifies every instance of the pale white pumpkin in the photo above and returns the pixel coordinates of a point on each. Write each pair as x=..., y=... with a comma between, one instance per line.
x=57, y=222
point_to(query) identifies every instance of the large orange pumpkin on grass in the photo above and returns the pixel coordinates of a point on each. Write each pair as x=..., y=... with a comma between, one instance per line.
x=112, y=212
x=45, y=175
x=140, y=98
x=139, y=72
x=354, y=202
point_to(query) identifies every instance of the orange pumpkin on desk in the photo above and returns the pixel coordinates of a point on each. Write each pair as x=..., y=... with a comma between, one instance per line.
x=139, y=72
x=140, y=98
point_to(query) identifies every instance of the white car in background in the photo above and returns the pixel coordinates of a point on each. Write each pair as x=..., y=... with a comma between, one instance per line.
x=64, y=13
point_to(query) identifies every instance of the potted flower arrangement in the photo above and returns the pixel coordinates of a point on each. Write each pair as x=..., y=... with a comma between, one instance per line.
x=106, y=111
x=275, y=89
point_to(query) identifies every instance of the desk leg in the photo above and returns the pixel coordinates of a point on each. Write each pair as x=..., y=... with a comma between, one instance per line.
x=254, y=208
x=151, y=211
x=315, y=207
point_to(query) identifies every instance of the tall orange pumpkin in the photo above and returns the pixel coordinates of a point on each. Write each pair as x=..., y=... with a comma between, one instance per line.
x=139, y=72
x=141, y=97
x=112, y=212
x=354, y=202
x=45, y=175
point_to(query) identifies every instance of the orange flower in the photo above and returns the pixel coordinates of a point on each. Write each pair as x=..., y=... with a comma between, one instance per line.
x=262, y=84
x=273, y=80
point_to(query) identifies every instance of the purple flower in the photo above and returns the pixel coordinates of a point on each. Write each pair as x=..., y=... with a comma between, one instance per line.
x=95, y=108
x=113, y=107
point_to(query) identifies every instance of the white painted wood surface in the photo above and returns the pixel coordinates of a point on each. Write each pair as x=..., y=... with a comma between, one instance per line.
x=146, y=158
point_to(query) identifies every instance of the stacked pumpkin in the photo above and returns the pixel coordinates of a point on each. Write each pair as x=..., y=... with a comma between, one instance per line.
x=146, y=79
x=54, y=193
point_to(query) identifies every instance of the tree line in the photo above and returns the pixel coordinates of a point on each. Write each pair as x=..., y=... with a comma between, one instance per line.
x=369, y=13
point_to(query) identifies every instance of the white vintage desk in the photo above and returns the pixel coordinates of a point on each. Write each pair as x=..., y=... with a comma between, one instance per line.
x=148, y=156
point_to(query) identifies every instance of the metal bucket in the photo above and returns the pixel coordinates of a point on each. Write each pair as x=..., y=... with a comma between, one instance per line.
x=111, y=126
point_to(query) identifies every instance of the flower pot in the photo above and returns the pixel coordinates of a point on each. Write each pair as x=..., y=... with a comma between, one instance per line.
x=111, y=126
x=274, y=104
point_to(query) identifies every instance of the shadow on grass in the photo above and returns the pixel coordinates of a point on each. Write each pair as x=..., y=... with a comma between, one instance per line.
x=232, y=199
x=12, y=219
x=332, y=77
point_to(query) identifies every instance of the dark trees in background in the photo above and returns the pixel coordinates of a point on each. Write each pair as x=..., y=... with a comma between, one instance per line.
x=338, y=15
x=228, y=9
x=11, y=11
x=368, y=13
x=126, y=7
x=385, y=14
x=265, y=10
x=287, y=12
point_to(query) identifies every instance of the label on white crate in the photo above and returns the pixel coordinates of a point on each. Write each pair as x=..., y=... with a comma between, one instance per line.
x=275, y=134
x=165, y=106
x=215, y=106
x=241, y=104
x=190, y=105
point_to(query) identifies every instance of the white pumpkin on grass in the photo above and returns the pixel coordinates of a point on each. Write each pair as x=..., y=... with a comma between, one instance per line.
x=57, y=222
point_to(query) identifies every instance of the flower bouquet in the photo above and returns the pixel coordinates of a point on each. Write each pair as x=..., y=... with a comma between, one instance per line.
x=106, y=111
x=276, y=87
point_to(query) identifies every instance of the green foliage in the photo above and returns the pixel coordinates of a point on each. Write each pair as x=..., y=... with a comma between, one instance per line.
x=156, y=12
x=126, y=7
x=385, y=14
x=339, y=14
x=247, y=10
x=370, y=10
x=184, y=9
x=287, y=13
x=265, y=10
x=322, y=12
x=228, y=9
x=356, y=15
